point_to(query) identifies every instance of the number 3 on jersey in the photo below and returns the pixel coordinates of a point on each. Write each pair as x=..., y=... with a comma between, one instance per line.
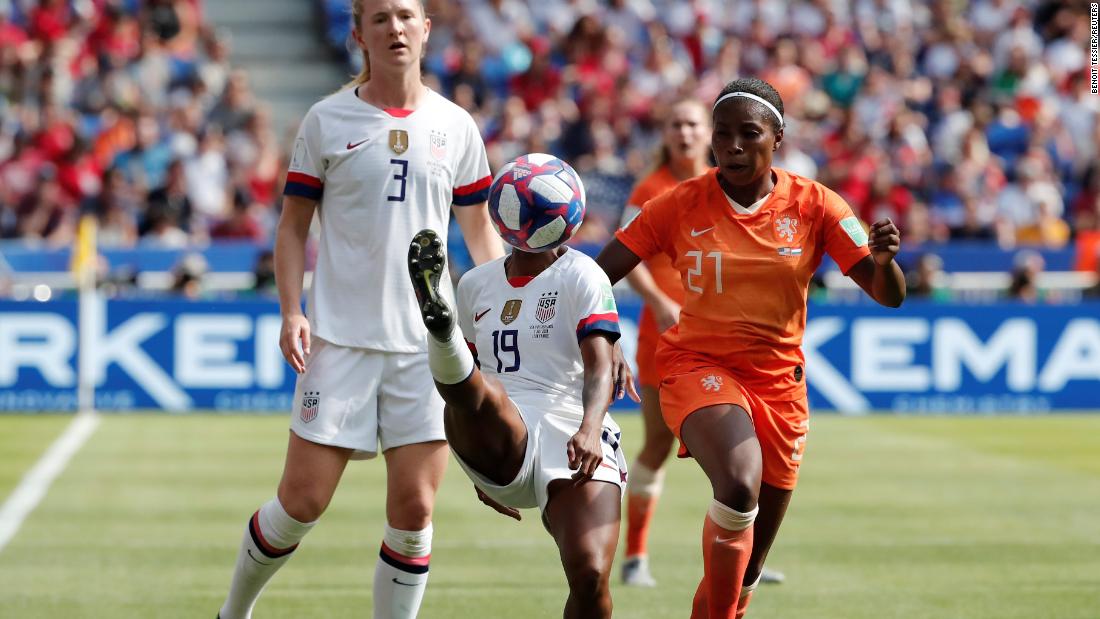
x=697, y=270
x=505, y=341
x=401, y=177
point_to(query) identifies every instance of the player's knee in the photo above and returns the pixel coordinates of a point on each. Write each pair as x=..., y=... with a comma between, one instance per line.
x=586, y=575
x=303, y=506
x=411, y=512
x=738, y=490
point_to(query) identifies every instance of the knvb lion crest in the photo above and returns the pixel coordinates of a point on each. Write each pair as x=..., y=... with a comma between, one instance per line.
x=311, y=401
x=544, y=312
x=786, y=228
x=399, y=141
x=510, y=311
x=711, y=382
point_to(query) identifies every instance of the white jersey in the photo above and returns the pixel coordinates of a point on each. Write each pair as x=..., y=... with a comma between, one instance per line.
x=527, y=333
x=380, y=176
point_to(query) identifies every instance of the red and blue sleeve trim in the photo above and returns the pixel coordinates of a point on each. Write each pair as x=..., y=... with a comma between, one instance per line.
x=605, y=323
x=411, y=565
x=303, y=185
x=474, y=193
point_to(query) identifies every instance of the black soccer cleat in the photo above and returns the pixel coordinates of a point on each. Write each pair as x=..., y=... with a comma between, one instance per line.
x=427, y=260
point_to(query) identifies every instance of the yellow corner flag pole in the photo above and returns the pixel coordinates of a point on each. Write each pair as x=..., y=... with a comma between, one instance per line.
x=84, y=266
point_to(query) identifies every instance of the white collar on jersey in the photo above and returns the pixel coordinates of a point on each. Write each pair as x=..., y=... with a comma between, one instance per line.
x=750, y=209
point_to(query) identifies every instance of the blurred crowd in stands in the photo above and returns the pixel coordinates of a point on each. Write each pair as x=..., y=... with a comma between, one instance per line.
x=129, y=109
x=960, y=120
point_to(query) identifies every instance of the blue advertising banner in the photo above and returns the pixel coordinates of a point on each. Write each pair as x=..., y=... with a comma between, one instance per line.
x=221, y=355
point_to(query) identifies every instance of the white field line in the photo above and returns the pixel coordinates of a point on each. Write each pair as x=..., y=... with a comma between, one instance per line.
x=32, y=488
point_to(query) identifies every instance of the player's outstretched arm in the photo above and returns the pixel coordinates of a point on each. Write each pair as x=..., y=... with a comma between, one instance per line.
x=585, y=450
x=616, y=260
x=290, y=268
x=879, y=274
x=477, y=229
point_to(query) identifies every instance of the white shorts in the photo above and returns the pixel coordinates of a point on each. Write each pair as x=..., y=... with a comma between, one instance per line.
x=360, y=399
x=547, y=459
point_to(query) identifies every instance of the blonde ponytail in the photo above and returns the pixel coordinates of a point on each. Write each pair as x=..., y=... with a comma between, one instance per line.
x=364, y=73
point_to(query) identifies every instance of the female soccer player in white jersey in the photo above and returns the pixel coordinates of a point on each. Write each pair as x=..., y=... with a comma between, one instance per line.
x=530, y=426
x=377, y=162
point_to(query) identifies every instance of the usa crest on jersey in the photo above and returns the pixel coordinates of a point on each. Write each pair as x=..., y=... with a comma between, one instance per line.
x=438, y=144
x=545, y=309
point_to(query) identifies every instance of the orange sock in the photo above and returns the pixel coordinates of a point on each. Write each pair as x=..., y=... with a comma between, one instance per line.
x=727, y=544
x=643, y=490
x=639, y=514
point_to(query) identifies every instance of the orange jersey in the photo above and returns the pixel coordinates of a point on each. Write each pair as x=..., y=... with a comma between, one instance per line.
x=745, y=275
x=660, y=266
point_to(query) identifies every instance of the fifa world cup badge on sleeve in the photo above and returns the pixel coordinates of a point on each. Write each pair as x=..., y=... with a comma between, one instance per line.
x=310, y=403
x=855, y=230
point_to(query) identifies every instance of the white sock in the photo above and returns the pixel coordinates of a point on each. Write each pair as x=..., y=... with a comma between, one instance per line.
x=644, y=481
x=729, y=518
x=269, y=539
x=450, y=360
x=401, y=574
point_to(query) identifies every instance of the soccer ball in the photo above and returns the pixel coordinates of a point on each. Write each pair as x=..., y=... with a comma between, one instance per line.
x=536, y=202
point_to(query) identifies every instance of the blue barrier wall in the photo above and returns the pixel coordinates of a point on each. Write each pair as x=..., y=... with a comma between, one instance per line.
x=224, y=356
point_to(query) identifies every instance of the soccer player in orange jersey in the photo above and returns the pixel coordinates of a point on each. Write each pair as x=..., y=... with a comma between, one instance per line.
x=745, y=239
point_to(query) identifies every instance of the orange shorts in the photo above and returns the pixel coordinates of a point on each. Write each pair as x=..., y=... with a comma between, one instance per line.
x=781, y=426
x=646, y=353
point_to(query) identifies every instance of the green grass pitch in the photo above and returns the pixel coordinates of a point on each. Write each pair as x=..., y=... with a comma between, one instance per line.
x=894, y=517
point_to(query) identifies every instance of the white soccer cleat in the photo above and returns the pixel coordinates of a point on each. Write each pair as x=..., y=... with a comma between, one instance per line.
x=773, y=577
x=636, y=573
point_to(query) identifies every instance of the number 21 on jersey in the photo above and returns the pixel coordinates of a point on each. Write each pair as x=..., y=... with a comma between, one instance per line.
x=702, y=262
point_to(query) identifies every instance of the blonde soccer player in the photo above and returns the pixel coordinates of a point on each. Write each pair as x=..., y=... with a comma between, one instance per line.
x=376, y=162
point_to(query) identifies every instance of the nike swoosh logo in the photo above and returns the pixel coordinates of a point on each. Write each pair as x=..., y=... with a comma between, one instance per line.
x=255, y=559
x=351, y=146
x=478, y=317
x=695, y=232
x=404, y=584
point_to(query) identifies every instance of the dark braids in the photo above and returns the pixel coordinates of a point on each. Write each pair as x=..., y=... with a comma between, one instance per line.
x=762, y=89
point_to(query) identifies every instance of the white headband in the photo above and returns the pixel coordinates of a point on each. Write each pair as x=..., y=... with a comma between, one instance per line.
x=749, y=95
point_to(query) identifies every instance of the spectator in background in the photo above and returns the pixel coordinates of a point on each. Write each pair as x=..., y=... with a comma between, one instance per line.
x=264, y=273
x=207, y=177
x=163, y=231
x=241, y=225
x=928, y=280
x=1024, y=285
x=187, y=276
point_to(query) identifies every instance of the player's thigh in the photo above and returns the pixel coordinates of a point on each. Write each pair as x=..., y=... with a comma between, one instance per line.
x=723, y=441
x=310, y=476
x=413, y=475
x=491, y=437
x=584, y=521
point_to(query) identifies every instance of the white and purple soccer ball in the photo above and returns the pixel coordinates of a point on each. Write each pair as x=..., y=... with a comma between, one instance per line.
x=536, y=202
